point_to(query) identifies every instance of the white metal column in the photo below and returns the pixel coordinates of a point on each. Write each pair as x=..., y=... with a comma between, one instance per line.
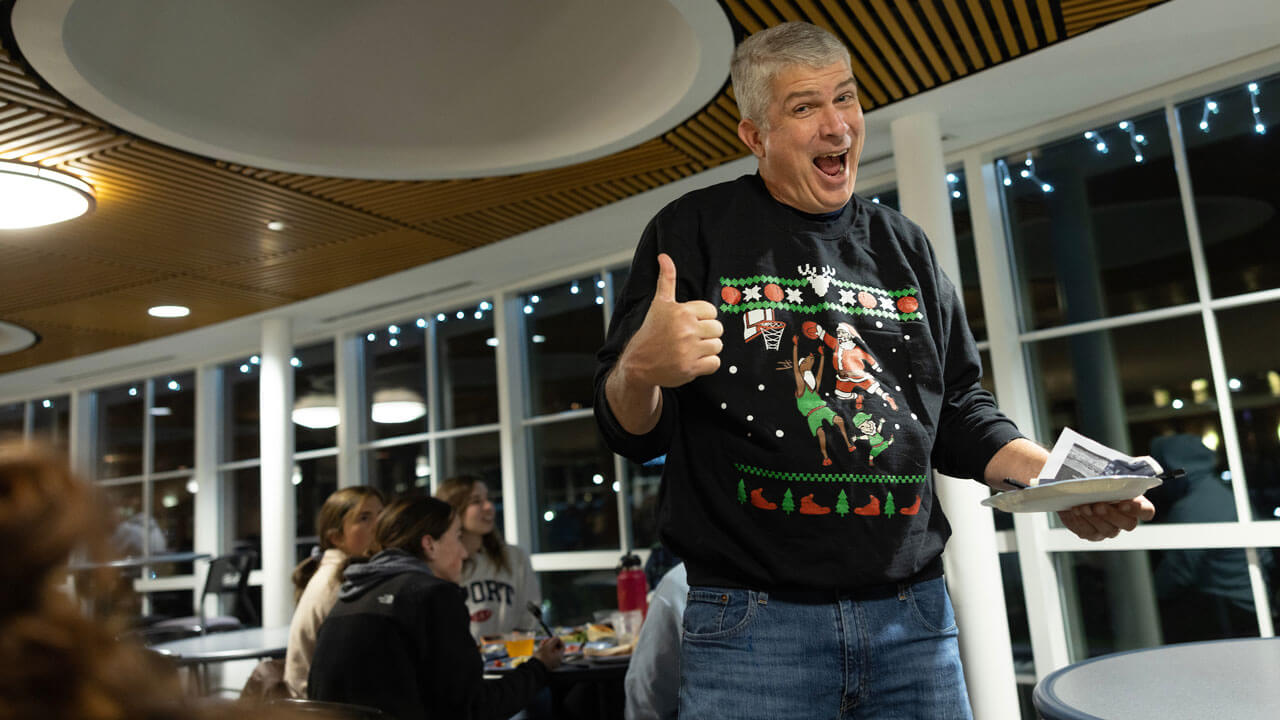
x=209, y=492
x=83, y=413
x=348, y=354
x=279, y=525
x=971, y=559
x=1013, y=385
x=512, y=434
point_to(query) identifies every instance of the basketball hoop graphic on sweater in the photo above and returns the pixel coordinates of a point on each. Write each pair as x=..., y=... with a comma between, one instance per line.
x=762, y=323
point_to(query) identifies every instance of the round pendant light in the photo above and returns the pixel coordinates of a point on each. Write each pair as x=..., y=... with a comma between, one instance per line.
x=31, y=196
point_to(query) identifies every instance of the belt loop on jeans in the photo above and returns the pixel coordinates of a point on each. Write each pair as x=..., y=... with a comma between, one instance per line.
x=762, y=598
x=902, y=591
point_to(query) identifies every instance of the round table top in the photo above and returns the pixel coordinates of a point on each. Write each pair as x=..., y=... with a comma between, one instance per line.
x=1221, y=678
x=224, y=646
x=140, y=561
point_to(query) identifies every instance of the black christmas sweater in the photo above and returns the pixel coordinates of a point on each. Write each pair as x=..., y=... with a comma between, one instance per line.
x=848, y=373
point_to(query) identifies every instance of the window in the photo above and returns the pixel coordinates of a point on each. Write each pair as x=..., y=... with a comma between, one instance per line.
x=448, y=356
x=145, y=459
x=173, y=422
x=573, y=597
x=1253, y=378
x=563, y=328
x=1127, y=386
x=314, y=390
x=577, y=490
x=1232, y=155
x=51, y=422
x=395, y=386
x=240, y=424
x=575, y=484
x=1125, y=600
x=399, y=470
x=467, y=367
x=1096, y=224
x=121, y=414
x=12, y=421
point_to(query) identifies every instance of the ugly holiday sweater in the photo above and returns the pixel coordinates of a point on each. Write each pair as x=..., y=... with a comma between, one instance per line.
x=848, y=373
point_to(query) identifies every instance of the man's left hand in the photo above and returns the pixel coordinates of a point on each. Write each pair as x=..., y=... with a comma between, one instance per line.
x=1099, y=521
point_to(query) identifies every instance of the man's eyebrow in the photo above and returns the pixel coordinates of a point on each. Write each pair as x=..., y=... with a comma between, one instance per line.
x=802, y=94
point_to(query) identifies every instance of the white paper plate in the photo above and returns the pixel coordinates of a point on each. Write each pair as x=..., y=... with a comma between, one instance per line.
x=1065, y=494
x=608, y=659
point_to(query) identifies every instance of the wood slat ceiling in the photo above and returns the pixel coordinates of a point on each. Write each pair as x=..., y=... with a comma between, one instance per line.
x=171, y=227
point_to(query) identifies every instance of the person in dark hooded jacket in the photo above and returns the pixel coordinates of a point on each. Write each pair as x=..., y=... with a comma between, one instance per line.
x=399, y=637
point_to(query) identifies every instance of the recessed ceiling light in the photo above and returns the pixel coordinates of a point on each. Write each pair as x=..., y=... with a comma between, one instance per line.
x=31, y=195
x=276, y=225
x=169, y=311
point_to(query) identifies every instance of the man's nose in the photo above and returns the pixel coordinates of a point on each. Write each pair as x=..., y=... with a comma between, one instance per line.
x=832, y=122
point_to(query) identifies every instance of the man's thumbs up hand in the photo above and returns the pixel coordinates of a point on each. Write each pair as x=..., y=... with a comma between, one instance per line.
x=677, y=342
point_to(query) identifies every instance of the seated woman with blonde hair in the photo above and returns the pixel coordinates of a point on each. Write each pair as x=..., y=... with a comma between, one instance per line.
x=398, y=639
x=345, y=529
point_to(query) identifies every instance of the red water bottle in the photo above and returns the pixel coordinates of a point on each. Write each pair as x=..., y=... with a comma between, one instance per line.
x=632, y=585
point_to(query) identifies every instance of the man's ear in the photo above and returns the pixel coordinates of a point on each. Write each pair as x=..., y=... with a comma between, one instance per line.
x=752, y=136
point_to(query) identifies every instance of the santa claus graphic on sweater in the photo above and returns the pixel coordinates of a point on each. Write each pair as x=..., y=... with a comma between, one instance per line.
x=853, y=363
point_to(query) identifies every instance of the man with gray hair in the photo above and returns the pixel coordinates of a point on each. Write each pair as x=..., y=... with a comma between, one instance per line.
x=815, y=579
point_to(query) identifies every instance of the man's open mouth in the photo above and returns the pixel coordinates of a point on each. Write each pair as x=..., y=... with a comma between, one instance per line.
x=832, y=163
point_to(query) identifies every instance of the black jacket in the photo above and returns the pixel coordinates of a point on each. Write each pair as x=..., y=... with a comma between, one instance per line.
x=399, y=640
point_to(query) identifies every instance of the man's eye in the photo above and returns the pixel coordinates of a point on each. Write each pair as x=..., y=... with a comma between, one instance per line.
x=847, y=97
x=800, y=108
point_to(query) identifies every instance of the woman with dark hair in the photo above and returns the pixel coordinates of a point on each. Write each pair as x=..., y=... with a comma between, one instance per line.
x=398, y=638
x=498, y=578
x=345, y=529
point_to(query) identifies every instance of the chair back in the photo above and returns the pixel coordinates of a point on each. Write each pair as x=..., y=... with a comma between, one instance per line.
x=229, y=577
x=322, y=710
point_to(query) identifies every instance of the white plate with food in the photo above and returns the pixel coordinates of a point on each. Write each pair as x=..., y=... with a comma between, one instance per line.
x=1056, y=495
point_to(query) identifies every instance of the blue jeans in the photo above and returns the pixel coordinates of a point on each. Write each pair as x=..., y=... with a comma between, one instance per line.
x=746, y=655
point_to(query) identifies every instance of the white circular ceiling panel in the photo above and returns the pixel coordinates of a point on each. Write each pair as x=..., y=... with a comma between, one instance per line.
x=15, y=337
x=394, y=89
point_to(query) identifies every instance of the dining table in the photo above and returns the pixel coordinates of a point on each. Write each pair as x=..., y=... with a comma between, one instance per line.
x=1231, y=679
x=201, y=651
x=585, y=687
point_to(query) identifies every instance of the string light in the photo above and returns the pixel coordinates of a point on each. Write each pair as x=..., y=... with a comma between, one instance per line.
x=952, y=181
x=1098, y=143
x=1002, y=170
x=1136, y=139
x=1209, y=107
x=422, y=322
x=573, y=289
x=1029, y=172
x=1258, y=127
x=440, y=317
x=876, y=199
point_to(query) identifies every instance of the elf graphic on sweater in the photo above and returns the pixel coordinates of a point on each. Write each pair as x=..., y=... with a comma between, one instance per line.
x=808, y=402
x=850, y=356
x=871, y=433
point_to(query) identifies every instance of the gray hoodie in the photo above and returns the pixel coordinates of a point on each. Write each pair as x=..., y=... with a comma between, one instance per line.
x=360, y=576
